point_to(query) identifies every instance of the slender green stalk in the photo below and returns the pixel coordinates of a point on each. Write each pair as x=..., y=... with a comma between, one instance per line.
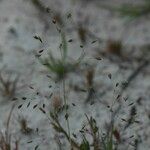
x=63, y=56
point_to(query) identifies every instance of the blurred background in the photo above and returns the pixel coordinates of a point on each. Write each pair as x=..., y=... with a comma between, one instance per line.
x=116, y=31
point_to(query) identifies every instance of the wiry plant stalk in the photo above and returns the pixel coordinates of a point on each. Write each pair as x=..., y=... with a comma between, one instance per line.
x=63, y=55
x=58, y=127
x=5, y=138
x=94, y=132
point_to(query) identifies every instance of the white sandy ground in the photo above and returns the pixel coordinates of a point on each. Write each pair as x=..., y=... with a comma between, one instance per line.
x=20, y=21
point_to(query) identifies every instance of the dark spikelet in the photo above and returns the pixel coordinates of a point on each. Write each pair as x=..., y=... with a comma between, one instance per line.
x=130, y=104
x=28, y=104
x=24, y=98
x=36, y=147
x=40, y=51
x=20, y=106
x=118, y=96
x=29, y=142
x=43, y=105
x=98, y=58
x=42, y=110
x=38, y=55
x=48, y=9
x=117, y=84
x=31, y=87
x=108, y=106
x=73, y=104
x=71, y=40
x=50, y=86
x=35, y=106
x=109, y=76
x=66, y=116
x=93, y=41
x=131, y=136
x=123, y=119
x=133, y=111
x=51, y=95
x=37, y=130
x=74, y=135
x=38, y=38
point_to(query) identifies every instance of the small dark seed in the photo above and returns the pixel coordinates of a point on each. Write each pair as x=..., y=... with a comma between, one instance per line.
x=28, y=105
x=20, y=106
x=35, y=106
x=70, y=40
x=109, y=76
x=41, y=51
x=130, y=104
x=24, y=98
x=73, y=104
x=42, y=110
x=30, y=142
x=93, y=41
x=43, y=105
x=117, y=84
